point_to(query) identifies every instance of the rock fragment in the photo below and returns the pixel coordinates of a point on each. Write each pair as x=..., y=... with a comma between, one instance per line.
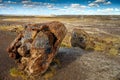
x=79, y=38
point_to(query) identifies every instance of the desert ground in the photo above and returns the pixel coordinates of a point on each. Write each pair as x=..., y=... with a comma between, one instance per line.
x=100, y=63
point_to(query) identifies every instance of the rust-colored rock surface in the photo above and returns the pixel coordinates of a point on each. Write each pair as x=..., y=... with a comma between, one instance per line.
x=79, y=38
x=35, y=47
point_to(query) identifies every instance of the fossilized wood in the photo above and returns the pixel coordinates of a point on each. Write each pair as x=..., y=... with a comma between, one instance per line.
x=35, y=47
x=79, y=38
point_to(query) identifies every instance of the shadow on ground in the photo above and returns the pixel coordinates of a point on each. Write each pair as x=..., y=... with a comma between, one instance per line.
x=69, y=55
x=76, y=63
x=65, y=55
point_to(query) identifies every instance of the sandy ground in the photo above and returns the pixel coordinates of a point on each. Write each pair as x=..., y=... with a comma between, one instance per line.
x=90, y=66
x=5, y=62
x=77, y=64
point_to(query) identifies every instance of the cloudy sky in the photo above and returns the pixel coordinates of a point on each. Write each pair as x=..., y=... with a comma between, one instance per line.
x=60, y=7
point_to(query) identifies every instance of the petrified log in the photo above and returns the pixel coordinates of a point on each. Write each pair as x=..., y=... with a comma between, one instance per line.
x=35, y=47
x=79, y=38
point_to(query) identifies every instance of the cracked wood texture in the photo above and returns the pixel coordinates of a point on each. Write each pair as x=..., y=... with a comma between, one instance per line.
x=35, y=47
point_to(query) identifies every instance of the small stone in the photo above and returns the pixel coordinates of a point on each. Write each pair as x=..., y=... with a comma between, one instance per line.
x=79, y=38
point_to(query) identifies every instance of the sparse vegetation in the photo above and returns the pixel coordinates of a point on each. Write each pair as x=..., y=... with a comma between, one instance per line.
x=100, y=47
x=106, y=44
x=16, y=73
x=63, y=44
x=113, y=51
x=105, y=37
x=12, y=28
x=66, y=41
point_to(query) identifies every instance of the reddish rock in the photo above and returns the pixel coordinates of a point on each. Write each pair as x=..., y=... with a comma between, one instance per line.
x=35, y=47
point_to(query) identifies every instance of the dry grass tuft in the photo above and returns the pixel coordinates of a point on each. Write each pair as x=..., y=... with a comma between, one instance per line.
x=16, y=73
x=113, y=51
x=107, y=44
x=12, y=28
x=66, y=41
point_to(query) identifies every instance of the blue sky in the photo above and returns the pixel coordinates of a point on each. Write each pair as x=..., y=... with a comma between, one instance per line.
x=60, y=7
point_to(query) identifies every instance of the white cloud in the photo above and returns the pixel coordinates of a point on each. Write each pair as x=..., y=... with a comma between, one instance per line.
x=77, y=6
x=99, y=1
x=30, y=2
x=2, y=6
x=58, y=9
x=93, y=4
x=28, y=6
x=117, y=10
x=96, y=3
x=26, y=1
x=106, y=10
x=10, y=8
x=70, y=8
x=65, y=7
x=107, y=2
x=48, y=5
